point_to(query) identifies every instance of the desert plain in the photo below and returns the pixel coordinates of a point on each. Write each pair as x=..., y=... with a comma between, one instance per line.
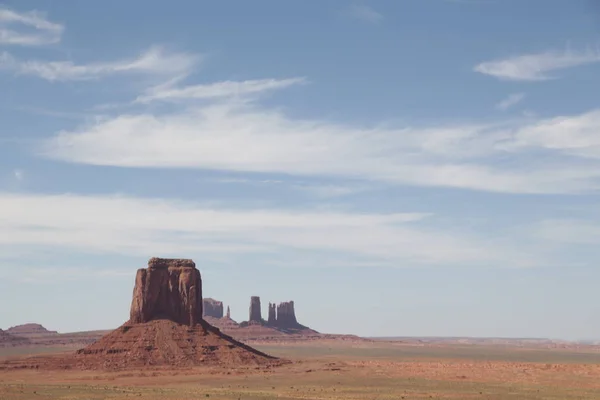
x=168, y=350
x=333, y=369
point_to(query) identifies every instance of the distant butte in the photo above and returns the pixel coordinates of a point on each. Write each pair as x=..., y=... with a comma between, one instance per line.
x=31, y=329
x=212, y=308
x=281, y=322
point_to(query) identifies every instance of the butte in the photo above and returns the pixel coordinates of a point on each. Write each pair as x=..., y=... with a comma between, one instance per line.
x=165, y=329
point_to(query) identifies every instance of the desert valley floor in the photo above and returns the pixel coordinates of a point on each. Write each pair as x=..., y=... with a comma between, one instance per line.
x=333, y=369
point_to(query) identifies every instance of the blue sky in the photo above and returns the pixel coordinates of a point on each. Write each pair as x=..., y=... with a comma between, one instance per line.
x=397, y=168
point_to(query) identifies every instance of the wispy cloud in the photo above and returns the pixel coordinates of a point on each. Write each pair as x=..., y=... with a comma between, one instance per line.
x=155, y=61
x=42, y=31
x=135, y=226
x=249, y=138
x=576, y=136
x=223, y=89
x=535, y=67
x=510, y=101
x=314, y=189
x=365, y=13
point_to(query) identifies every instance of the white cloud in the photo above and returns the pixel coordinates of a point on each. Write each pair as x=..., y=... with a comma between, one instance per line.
x=247, y=138
x=42, y=30
x=572, y=135
x=155, y=61
x=224, y=89
x=510, y=101
x=365, y=13
x=535, y=67
x=135, y=226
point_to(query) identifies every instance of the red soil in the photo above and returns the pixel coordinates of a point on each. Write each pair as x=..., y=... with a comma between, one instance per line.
x=155, y=343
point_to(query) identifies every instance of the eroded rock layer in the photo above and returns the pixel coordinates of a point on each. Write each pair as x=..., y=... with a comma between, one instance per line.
x=167, y=289
x=8, y=340
x=167, y=343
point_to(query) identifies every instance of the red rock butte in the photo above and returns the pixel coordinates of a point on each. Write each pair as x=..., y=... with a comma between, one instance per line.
x=212, y=308
x=167, y=289
x=165, y=329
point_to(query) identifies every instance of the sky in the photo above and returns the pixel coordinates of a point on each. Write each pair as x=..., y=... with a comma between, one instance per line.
x=397, y=168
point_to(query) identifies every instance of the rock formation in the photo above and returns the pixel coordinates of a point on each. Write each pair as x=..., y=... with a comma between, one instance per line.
x=228, y=313
x=7, y=340
x=272, y=315
x=167, y=289
x=286, y=316
x=283, y=316
x=28, y=330
x=212, y=308
x=255, y=312
x=166, y=326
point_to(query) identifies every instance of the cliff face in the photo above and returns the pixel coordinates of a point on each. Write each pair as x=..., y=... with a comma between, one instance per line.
x=166, y=327
x=272, y=314
x=283, y=316
x=212, y=308
x=255, y=312
x=286, y=315
x=168, y=289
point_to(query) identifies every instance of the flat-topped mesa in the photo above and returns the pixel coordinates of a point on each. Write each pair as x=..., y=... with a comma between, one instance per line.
x=272, y=320
x=212, y=308
x=167, y=289
x=255, y=313
x=156, y=262
x=30, y=329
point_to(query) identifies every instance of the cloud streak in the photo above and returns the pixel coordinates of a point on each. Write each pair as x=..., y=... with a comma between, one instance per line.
x=245, y=137
x=510, y=101
x=536, y=67
x=216, y=90
x=43, y=32
x=135, y=226
x=575, y=136
x=155, y=61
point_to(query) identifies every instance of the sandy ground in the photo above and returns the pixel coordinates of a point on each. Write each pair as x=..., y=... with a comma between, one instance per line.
x=339, y=371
